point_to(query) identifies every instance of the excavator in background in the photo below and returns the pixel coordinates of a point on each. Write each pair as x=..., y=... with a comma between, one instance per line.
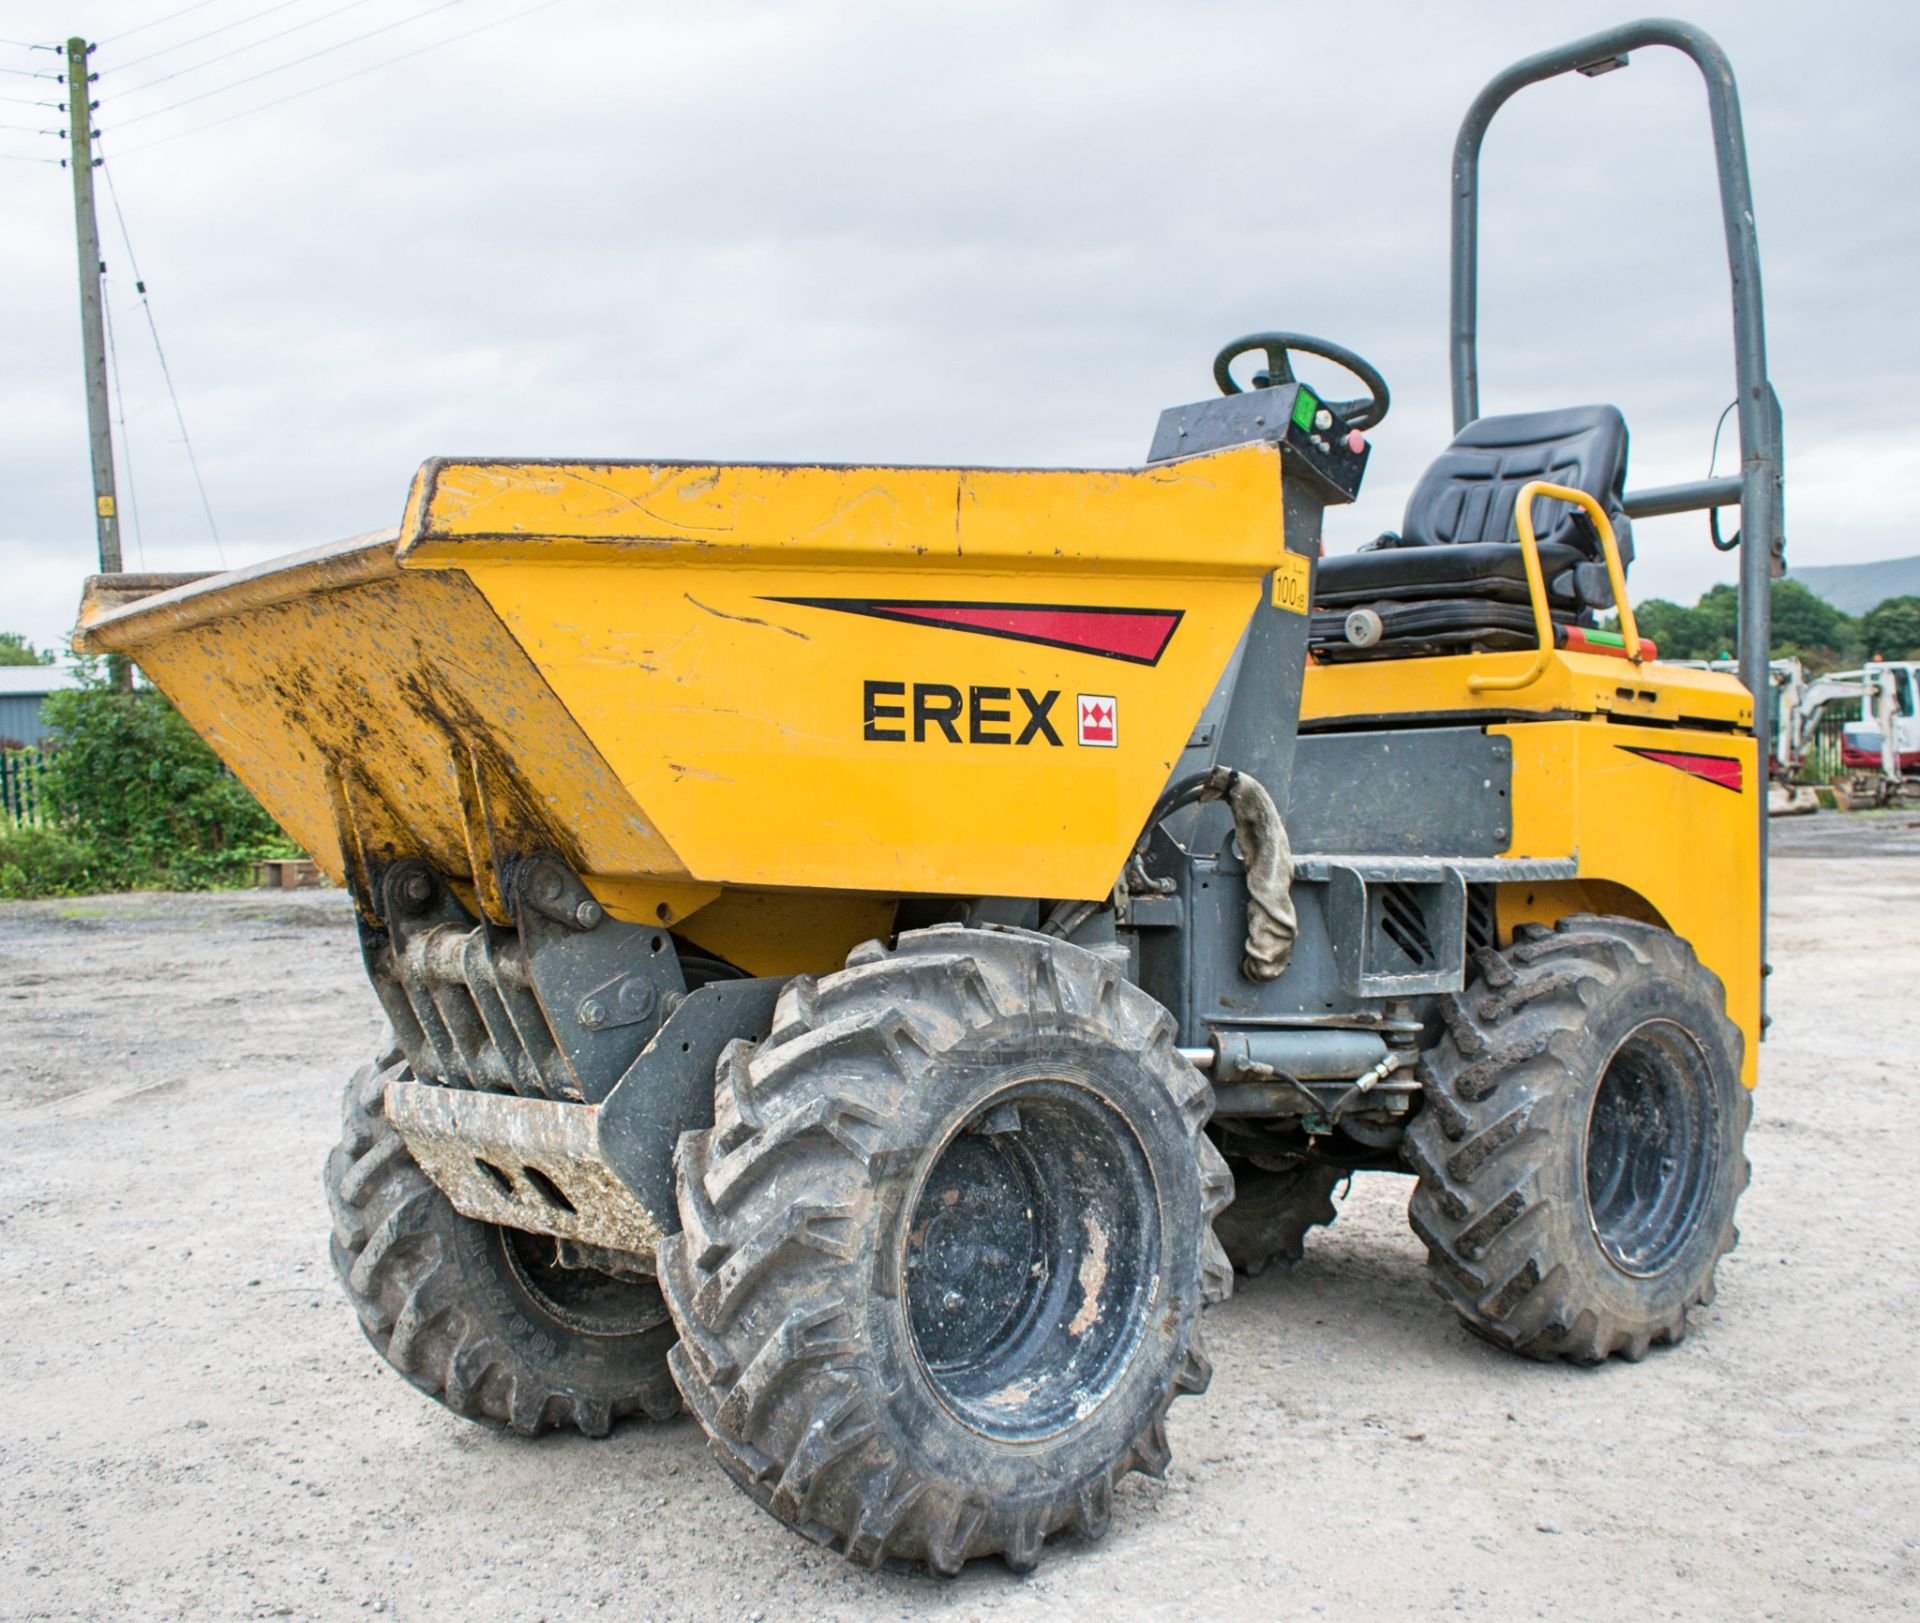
x=1879, y=749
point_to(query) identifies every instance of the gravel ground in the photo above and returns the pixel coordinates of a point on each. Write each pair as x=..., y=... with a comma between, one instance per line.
x=1891, y=833
x=194, y=1427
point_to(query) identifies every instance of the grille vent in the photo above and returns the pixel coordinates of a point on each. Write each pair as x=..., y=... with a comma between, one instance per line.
x=1481, y=932
x=1404, y=924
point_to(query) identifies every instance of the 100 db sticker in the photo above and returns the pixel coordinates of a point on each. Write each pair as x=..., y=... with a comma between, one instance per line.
x=1290, y=580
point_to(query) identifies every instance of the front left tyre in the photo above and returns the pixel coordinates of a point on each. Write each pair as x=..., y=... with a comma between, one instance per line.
x=945, y=1248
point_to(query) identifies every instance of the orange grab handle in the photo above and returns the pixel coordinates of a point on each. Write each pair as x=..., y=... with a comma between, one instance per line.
x=1537, y=584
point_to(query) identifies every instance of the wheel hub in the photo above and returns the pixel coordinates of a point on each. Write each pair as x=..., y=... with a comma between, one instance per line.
x=1030, y=1260
x=1652, y=1141
x=583, y=1299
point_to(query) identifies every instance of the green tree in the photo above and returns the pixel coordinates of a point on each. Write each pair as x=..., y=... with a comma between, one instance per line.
x=1669, y=625
x=16, y=650
x=1809, y=626
x=1803, y=624
x=1892, y=629
x=1716, y=619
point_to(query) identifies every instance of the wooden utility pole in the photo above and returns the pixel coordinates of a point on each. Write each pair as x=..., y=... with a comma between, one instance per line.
x=86, y=230
x=106, y=511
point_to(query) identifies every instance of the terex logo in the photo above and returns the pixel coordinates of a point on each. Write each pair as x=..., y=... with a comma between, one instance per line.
x=985, y=713
x=1099, y=720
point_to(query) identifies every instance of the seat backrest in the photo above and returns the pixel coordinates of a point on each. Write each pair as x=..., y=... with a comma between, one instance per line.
x=1467, y=495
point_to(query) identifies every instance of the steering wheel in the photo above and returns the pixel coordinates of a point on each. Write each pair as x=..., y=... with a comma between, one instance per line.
x=1362, y=413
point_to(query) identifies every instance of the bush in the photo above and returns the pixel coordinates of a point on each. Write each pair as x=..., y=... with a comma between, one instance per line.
x=46, y=862
x=137, y=801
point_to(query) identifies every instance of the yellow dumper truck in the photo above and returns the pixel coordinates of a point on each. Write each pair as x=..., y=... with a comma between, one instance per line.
x=871, y=950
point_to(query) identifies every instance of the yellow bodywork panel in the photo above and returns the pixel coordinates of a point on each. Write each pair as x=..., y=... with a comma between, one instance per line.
x=732, y=639
x=1202, y=516
x=1652, y=841
x=1573, y=684
x=788, y=932
x=344, y=691
x=704, y=686
x=1685, y=846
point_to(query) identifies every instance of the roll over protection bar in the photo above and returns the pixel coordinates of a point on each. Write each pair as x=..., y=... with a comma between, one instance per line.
x=1760, y=483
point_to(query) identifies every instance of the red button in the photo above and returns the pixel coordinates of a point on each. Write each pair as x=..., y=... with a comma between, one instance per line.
x=1356, y=442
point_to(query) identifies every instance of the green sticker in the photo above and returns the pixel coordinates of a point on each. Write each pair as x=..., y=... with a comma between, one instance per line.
x=1304, y=406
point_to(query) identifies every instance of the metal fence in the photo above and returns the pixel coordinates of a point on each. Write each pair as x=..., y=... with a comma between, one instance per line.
x=1822, y=764
x=22, y=802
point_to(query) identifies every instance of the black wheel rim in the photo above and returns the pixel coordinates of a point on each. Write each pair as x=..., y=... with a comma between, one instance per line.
x=1030, y=1260
x=1652, y=1143
x=584, y=1300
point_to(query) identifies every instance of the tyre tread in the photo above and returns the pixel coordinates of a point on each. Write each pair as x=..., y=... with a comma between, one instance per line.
x=1474, y=1145
x=389, y=1248
x=774, y=1184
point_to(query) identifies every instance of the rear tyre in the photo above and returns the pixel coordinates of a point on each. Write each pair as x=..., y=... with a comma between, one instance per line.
x=1580, y=1152
x=1273, y=1210
x=945, y=1248
x=483, y=1319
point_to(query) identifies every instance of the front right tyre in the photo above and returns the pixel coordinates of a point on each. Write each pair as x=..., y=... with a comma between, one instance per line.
x=483, y=1319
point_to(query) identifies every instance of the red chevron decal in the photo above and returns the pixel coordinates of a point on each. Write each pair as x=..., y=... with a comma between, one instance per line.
x=1723, y=771
x=1138, y=636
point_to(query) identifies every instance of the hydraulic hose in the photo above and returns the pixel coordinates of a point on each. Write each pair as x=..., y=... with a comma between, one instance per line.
x=1261, y=841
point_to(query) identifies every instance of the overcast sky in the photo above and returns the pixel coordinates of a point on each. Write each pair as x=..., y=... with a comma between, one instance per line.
x=979, y=233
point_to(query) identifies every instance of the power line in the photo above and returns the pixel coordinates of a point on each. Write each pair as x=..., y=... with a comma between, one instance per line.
x=15, y=157
x=240, y=50
x=166, y=372
x=27, y=45
x=126, y=443
x=264, y=73
x=30, y=129
x=29, y=73
x=172, y=16
x=23, y=101
x=387, y=62
x=224, y=28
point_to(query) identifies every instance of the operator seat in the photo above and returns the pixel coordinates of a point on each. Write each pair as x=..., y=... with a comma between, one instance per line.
x=1454, y=578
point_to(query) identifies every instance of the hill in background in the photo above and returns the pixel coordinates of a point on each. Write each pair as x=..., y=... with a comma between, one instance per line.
x=1855, y=588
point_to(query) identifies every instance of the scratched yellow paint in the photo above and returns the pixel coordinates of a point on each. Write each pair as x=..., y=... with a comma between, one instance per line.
x=590, y=657
x=341, y=663
x=649, y=600
x=1202, y=517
